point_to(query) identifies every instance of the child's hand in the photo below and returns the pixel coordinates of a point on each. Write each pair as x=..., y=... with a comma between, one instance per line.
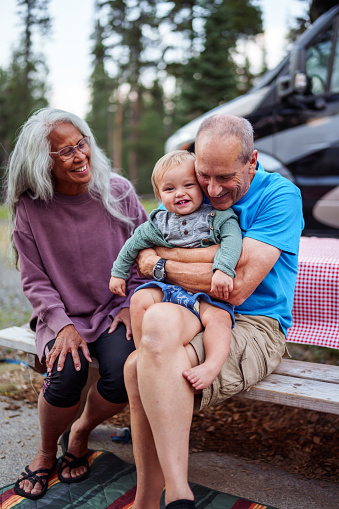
x=118, y=286
x=222, y=285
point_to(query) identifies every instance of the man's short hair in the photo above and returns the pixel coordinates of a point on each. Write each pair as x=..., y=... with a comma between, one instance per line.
x=223, y=127
x=167, y=162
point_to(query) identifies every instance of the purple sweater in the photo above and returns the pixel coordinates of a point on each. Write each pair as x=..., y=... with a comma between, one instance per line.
x=66, y=251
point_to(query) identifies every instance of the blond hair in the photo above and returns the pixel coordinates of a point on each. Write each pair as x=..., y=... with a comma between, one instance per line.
x=167, y=162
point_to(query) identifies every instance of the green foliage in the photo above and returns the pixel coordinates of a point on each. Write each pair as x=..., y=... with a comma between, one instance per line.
x=149, y=205
x=3, y=213
x=313, y=10
x=137, y=46
x=22, y=85
x=13, y=316
x=101, y=117
x=151, y=138
x=313, y=353
x=213, y=77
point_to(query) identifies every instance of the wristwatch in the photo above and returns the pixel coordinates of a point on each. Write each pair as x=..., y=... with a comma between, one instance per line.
x=159, y=272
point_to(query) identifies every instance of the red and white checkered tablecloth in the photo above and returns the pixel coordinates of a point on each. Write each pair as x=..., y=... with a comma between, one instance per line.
x=316, y=301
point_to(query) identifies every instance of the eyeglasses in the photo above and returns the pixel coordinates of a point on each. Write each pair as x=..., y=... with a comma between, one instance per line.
x=69, y=152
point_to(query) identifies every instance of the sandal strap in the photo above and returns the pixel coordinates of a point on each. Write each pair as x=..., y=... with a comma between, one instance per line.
x=33, y=477
x=74, y=461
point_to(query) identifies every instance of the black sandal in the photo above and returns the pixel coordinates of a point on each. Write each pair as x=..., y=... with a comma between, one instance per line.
x=33, y=478
x=72, y=463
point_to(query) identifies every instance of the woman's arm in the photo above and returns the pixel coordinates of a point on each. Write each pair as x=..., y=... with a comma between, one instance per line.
x=44, y=297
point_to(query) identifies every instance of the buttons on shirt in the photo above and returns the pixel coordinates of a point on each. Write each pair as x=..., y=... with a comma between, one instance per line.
x=212, y=214
x=184, y=223
x=185, y=232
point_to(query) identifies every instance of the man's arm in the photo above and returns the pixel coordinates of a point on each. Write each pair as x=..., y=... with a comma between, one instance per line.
x=256, y=260
x=188, y=255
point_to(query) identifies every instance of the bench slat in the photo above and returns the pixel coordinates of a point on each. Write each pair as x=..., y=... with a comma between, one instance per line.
x=294, y=383
x=18, y=338
x=308, y=370
x=295, y=392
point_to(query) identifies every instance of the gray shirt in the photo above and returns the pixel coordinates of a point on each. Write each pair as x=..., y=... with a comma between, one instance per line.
x=185, y=231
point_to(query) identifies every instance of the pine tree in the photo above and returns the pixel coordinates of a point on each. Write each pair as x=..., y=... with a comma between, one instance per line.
x=214, y=77
x=152, y=135
x=132, y=30
x=23, y=85
x=101, y=115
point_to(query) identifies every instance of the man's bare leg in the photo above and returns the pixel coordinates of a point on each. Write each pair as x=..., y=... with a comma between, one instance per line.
x=140, y=302
x=165, y=394
x=150, y=483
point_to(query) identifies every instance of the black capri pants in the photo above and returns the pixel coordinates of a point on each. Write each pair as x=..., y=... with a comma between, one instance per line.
x=63, y=388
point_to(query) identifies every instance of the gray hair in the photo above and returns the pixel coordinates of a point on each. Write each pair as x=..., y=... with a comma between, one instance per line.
x=30, y=164
x=226, y=126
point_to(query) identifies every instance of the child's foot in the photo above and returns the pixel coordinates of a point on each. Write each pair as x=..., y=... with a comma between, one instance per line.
x=201, y=376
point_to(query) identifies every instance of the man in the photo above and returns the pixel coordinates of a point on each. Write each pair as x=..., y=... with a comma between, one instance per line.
x=161, y=400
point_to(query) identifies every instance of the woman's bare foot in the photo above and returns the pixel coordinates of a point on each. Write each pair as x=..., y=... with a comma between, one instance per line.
x=42, y=460
x=201, y=376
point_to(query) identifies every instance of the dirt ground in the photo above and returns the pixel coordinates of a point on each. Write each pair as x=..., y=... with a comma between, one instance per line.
x=299, y=441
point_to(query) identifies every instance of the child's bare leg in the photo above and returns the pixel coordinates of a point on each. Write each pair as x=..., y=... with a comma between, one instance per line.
x=140, y=302
x=217, y=340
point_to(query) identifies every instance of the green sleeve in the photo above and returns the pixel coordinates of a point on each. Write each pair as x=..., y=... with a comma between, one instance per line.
x=130, y=250
x=145, y=236
x=230, y=238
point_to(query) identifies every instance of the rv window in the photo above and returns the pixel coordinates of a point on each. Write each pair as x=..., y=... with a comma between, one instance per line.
x=335, y=73
x=317, y=62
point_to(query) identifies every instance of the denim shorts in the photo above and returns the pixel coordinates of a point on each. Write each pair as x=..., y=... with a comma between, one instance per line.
x=257, y=347
x=176, y=295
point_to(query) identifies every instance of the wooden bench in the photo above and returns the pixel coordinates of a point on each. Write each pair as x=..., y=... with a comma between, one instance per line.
x=294, y=383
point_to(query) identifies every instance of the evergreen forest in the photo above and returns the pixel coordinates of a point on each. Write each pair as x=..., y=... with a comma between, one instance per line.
x=156, y=65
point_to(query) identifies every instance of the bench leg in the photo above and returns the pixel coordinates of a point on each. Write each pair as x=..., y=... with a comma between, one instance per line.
x=34, y=363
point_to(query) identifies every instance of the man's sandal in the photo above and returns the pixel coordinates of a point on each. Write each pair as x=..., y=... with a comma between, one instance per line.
x=181, y=504
x=70, y=461
x=34, y=478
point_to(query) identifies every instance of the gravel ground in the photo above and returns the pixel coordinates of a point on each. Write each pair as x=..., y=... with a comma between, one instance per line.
x=12, y=300
x=274, y=455
x=255, y=480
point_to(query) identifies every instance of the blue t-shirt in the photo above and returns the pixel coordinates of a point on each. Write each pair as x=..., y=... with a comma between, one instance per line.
x=271, y=212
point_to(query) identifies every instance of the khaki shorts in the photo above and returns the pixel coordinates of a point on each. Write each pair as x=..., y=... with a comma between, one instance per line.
x=257, y=347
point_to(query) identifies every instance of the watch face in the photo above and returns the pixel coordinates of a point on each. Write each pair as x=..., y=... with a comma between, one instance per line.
x=158, y=274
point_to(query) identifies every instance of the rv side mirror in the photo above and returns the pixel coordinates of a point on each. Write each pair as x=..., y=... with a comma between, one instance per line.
x=296, y=79
x=284, y=86
x=300, y=83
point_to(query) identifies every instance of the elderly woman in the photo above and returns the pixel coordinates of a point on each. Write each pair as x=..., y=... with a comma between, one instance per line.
x=70, y=215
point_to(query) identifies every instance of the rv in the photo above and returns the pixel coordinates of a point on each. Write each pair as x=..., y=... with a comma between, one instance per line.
x=294, y=110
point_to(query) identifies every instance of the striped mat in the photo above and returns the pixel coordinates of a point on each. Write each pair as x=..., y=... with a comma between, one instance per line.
x=111, y=485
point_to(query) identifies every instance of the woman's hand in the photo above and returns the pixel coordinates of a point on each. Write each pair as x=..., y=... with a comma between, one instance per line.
x=122, y=317
x=67, y=341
